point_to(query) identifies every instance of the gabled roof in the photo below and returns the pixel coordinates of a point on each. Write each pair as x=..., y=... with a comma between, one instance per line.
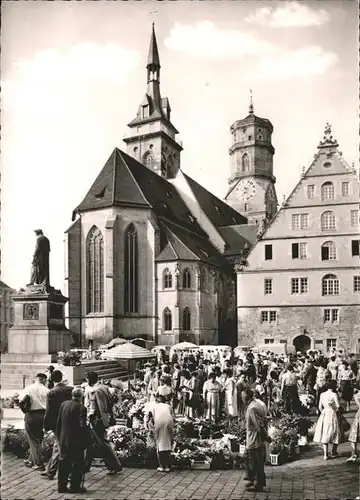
x=186, y=246
x=218, y=212
x=5, y=286
x=125, y=182
x=239, y=237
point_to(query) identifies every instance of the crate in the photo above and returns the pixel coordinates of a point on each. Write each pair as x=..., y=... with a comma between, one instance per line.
x=275, y=458
x=201, y=465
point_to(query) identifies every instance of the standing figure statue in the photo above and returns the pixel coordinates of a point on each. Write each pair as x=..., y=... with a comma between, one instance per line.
x=40, y=263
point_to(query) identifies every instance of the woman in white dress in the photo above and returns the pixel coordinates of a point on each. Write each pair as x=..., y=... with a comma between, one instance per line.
x=230, y=394
x=327, y=430
x=211, y=395
x=187, y=390
x=163, y=418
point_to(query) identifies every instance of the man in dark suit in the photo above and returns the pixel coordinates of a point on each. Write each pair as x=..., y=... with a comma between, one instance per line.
x=55, y=397
x=99, y=411
x=71, y=432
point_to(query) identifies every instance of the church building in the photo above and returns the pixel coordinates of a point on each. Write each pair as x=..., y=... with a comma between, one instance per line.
x=150, y=252
x=300, y=283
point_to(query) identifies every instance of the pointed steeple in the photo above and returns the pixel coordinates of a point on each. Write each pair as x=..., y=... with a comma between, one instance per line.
x=153, y=61
x=251, y=105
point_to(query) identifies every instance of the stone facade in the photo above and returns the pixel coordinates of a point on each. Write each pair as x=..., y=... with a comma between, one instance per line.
x=6, y=314
x=302, y=278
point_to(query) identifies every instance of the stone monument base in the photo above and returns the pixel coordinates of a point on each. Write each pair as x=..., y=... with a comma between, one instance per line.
x=38, y=334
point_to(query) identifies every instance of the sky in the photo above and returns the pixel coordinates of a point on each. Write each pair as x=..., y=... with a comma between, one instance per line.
x=74, y=74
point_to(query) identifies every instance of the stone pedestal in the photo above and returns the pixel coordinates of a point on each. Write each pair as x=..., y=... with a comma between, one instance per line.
x=39, y=332
x=39, y=329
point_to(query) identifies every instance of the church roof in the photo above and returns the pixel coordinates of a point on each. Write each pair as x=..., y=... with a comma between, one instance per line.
x=239, y=237
x=183, y=245
x=153, y=57
x=124, y=181
x=218, y=212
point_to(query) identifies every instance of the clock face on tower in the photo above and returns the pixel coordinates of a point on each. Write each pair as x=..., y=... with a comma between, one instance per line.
x=245, y=189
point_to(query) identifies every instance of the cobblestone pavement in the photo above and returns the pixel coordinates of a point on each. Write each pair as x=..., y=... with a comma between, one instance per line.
x=310, y=477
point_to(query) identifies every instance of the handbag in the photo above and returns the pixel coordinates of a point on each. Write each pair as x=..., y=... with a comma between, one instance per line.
x=25, y=404
x=344, y=424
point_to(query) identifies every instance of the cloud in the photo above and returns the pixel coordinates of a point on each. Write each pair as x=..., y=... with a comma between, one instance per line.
x=206, y=40
x=48, y=80
x=290, y=15
x=307, y=61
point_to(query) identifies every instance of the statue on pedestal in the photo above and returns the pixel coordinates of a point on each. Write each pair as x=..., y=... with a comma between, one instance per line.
x=40, y=264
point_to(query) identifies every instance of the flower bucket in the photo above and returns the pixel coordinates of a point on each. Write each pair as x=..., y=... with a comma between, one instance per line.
x=242, y=450
x=200, y=465
x=275, y=458
x=303, y=441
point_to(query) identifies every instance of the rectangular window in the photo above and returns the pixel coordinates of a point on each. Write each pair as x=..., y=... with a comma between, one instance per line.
x=355, y=247
x=273, y=316
x=311, y=191
x=331, y=315
x=296, y=221
x=330, y=344
x=345, y=188
x=268, y=316
x=295, y=250
x=268, y=282
x=264, y=316
x=304, y=221
x=319, y=342
x=356, y=283
x=283, y=341
x=299, y=286
x=303, y=250
x=269, y=341
x=268, y=252
x=354, y=218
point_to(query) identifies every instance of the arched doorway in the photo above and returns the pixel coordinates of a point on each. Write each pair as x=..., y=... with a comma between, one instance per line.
x=302, y=343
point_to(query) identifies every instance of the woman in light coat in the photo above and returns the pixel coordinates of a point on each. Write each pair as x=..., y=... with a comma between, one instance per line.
x=327, y=430
x=230, y=394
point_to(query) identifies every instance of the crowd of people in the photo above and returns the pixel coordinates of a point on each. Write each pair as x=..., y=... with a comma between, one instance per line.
x=192, y=384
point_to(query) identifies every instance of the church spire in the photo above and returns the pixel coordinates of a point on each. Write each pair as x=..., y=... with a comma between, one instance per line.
x=153, y=61
x=251, y=105
x=153, y=72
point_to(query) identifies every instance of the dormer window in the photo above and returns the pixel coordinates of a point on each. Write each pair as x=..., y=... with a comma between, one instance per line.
x=191, y=218
x=217, y=209
x=145, y=111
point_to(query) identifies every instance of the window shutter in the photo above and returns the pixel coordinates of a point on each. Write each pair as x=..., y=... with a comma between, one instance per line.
x=355, y=247
x=295, y=250
x=324, y=253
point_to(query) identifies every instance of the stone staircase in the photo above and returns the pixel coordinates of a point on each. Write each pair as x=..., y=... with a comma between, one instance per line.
x=106, y=369
x=15, y=376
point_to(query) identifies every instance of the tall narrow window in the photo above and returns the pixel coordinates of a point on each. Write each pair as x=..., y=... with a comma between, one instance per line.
x=167, y=320
x=327, y=191
x=186, y=279
x=131, y=265
x=268, y=252
x=186, y=319
x=328, y=251
x=95, y=271
x=167, y=279
x=245, y=163
x=328, y=221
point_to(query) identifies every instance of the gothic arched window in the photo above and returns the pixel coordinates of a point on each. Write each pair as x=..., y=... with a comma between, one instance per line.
x=327, y=191
x=245, y=163
x=131, y=270
x=328, y=220
x=95, y=271
x=167, y=320
x=170, y=167
x=186, y=278
x=167, y=279
x=186, y=320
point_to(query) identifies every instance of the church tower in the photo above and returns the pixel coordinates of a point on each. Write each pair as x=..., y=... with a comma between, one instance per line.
x=252, y=183
x=152, y=140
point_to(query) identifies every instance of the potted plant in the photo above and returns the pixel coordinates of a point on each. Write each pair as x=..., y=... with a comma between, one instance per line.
x=276, y=453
